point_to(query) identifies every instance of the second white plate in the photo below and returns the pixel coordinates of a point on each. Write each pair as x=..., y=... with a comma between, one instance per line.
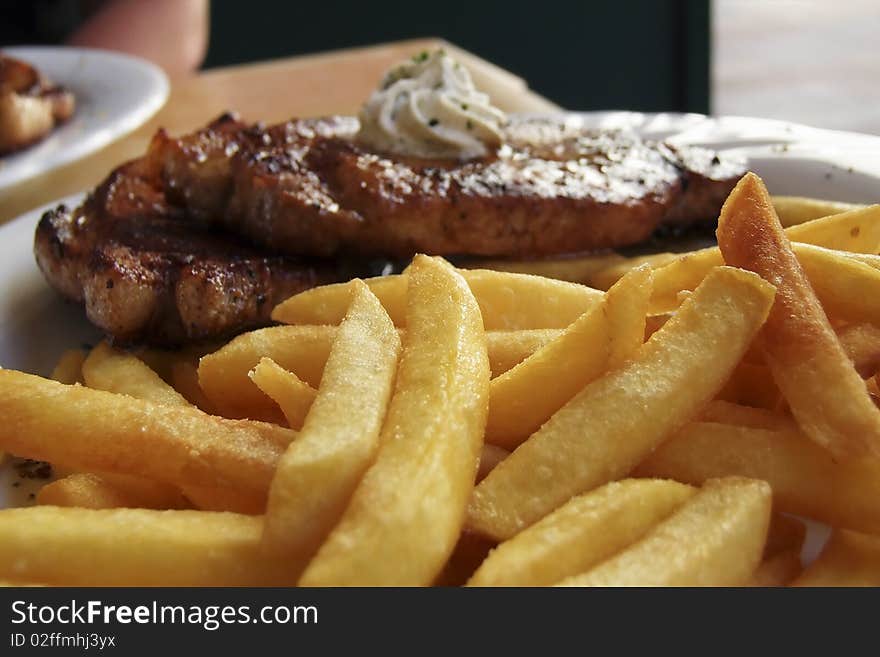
x=115, y=94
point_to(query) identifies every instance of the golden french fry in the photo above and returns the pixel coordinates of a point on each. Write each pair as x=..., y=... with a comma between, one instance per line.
x=847, y=289
x=617, y=420
x=581, y=533
x=122, y=373
x=320, y=470
x=96, y=491
x=725, y=412
x=794, y=210
x=806, y=480
x=223, y=375
x=507, y=301
x=799, y=345
x=97, y=431
x=116, y=371
x=293, y=395
x=406, y=514
x=572, y=268
x=69, y=367
x=626, y=309
x=136, y=547
x=855, y=231
x=869, y=259
x=779, y=570
x=507, y=349
x=861, y=342
x=600, y=339
x=714, y=539
x=751, y=385
x=848, y=559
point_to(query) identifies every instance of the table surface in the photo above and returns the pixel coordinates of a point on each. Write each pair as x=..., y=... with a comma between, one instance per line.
x=310, y=85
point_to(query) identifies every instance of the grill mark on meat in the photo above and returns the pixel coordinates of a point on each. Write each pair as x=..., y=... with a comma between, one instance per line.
x=147, y=273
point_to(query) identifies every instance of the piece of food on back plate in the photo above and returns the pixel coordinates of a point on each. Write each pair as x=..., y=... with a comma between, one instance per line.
x=30, y=105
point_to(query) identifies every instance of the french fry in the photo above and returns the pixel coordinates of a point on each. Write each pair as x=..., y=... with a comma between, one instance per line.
x=69, y=367
x=847, y=289
x=869, y=259
x=848, y=559
x=806, y=480
x=320, y=470
x=794, y=210
x=95, y=491
x=406, y=514
x=113, y=370
x=97, y=431
x=613, y=423
x=857, y=231
x=303, y=350
x=136, y=547
x=507, y=301
x=715, y=539
x=600, y=339
x=861, y=342
x=854, y=231
x=583, y=532
x=123, y=373
x=223, y=375
x=799, y=345
x=293, y=395
x=507, y=349
x=779, y=570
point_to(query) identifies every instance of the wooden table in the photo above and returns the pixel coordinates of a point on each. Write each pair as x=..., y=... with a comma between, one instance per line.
x=311, y=85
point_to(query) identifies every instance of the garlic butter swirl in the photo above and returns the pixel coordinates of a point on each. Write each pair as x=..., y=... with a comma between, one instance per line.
x=430, y=108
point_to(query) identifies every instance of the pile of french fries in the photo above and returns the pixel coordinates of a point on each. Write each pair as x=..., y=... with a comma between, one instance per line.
x=467, y=426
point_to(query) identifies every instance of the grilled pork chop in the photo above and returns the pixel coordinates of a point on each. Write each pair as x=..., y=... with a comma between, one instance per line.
x=147, y=273
x=163, y=250
x=308, y=187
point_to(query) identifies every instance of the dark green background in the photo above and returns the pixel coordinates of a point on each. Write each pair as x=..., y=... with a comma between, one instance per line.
x=629, y=54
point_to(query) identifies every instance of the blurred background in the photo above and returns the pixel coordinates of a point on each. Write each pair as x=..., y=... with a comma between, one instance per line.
x=810, y=61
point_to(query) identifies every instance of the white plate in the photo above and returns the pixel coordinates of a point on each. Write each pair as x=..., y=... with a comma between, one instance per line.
x=36, y=325
x=115, y=94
